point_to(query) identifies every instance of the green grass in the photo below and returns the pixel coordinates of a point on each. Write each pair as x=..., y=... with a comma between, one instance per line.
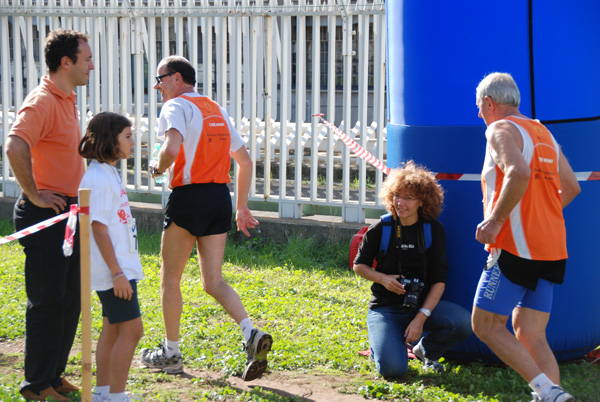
x=301, y=293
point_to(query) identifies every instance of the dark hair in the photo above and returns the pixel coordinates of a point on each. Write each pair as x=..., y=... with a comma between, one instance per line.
x=61, y=43
x=177, y=64
x=100, y=139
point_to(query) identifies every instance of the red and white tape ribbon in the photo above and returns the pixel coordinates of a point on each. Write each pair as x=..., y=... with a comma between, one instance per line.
x=353, y=145
x=33, y=229
x=587, y=176
x=70, y=231
x=581, y=176
x=367, y=156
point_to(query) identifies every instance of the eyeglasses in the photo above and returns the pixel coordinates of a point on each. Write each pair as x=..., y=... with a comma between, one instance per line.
x=160, y=77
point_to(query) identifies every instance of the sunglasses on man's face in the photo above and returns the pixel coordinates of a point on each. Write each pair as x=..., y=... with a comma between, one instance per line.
x=160, y=77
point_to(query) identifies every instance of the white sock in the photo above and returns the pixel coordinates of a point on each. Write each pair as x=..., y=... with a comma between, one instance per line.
x=171, y=348
x=247, y=327
x=118, y=397
x=102, y=391
x=541, y=385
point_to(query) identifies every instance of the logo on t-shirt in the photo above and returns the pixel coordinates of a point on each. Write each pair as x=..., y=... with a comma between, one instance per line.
x=123, y=216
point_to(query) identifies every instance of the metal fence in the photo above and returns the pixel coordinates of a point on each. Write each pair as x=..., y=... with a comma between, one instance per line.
x=272, y=64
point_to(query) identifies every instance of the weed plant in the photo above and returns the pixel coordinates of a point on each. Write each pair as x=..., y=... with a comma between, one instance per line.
x=302, y=294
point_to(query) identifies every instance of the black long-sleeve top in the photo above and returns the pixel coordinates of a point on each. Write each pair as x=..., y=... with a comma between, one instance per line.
x=411, y=262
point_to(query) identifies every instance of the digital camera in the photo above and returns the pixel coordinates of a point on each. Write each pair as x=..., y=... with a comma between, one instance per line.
x=413, y=289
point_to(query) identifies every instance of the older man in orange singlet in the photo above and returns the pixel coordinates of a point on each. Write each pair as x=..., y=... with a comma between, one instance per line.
x=526, y=182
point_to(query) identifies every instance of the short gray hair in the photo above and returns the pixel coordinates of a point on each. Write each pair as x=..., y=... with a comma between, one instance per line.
x=501, y=87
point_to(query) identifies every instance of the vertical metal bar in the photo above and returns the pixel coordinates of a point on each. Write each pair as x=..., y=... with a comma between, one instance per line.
x=165, y=25
x=79, y=24
x=192, y=40
x=17, y=62
x=379, y=92
x=41, y=42
x=179, y=31
x=152, y=95
x=347, y=103
x=286, y=23
x=5, y=93
x=315, y=106
x=94, y=84
x=138, y=89
x=363, y=75
x=102, y=54
x=235, y=68
x=252, y=69
x=268, y=28
x=221, y=29
x=246, y=35
x=125, y=73
x=300, y=100
x=331, y=92
x=112, y=54
x=32, y=74
x=207, y=59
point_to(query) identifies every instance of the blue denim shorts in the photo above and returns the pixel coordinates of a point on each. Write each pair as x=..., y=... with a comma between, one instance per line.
x=498, y=295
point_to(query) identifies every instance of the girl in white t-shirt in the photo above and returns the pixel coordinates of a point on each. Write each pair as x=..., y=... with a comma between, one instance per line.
x=115, y=262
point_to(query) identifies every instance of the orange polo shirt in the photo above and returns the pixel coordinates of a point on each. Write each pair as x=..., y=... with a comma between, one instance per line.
x=49, y=123
x=535, y=228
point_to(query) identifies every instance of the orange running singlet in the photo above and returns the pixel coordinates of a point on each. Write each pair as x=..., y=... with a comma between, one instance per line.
x=210, y=160
x=535, y=229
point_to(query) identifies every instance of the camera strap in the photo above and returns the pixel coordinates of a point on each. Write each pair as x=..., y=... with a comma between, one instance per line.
x=398, y=231
x=422, y=250
x=420, y=247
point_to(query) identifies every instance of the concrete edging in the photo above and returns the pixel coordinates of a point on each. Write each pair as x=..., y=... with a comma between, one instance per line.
x=280, y=230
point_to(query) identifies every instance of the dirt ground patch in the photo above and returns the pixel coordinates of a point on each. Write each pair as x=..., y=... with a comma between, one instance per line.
x=304, y=387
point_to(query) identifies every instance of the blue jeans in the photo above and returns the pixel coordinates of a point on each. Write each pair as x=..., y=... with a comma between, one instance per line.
x=449, y=324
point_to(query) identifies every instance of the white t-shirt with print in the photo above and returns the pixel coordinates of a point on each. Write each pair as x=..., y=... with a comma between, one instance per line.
x=109, y=205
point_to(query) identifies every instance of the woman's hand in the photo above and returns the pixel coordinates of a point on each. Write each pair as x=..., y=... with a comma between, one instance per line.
x=391, y=283
x=122, y=287
x=414, y=330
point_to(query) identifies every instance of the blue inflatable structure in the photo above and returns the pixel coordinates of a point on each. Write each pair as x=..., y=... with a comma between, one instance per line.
x=437, y=54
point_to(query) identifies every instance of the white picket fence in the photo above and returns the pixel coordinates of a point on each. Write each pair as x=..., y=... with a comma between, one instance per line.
x=265, y=61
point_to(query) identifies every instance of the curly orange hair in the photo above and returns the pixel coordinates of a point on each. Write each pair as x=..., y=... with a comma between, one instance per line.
x=418, y=181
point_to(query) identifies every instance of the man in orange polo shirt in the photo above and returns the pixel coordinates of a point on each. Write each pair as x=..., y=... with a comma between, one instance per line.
x=42, y=148
x=526, y=182
x=199, y=141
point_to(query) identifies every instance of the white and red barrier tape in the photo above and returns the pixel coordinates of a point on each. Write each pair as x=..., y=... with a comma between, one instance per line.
x=69, y=231
x=33, y=229
x=368, y=157
x=353, y=145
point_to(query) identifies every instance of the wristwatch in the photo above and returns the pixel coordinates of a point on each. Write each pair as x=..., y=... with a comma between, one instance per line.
x=425, y=311
x=155, y=171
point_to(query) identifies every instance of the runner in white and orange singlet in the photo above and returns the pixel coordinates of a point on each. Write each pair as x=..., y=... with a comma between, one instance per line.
x=526, y=183
x=199, y=141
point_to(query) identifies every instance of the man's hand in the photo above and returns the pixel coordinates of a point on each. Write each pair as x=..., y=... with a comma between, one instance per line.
x=245, y=220
x=487, y=231
x=48, y=199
